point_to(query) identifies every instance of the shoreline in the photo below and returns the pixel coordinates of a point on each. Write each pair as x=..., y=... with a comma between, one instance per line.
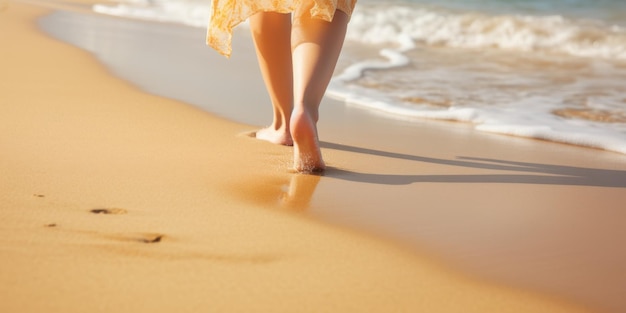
x=153, y=158
x=536, y=102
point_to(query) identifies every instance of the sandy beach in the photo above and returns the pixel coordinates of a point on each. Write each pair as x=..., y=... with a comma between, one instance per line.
x=116, y=199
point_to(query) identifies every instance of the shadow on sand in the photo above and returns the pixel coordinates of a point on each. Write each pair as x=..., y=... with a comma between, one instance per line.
x=529, y=173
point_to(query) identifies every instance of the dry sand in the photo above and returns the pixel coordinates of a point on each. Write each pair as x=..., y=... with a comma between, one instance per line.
x=114, y=200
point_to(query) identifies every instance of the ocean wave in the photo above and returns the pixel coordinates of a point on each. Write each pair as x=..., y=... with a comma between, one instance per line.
x=383, y=24
x=191, y=13
x=400, y=23
x=529, y=118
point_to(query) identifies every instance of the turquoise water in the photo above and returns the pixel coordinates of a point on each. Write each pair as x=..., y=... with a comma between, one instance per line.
x=607, y=10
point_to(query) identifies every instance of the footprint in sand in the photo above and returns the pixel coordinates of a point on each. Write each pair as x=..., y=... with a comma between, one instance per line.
x=139, y=237
x=249, y=133
x=113, y=211
x=150, y=238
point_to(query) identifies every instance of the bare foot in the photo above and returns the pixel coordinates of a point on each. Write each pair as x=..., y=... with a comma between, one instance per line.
x=307, y=156
x=272, y=135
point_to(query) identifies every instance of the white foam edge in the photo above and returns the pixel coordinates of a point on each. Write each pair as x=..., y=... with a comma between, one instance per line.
x=549, y=127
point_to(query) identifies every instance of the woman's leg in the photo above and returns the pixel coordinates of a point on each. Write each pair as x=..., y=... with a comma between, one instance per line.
x=316, y=45
x=271, y=33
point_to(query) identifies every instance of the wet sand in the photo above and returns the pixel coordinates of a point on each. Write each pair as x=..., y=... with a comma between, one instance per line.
x=117, y=200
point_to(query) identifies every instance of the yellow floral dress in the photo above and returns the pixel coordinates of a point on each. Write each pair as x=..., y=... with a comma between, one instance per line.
x=226, y=14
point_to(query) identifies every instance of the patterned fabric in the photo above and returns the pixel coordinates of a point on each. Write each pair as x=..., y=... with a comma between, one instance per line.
x=226, y=14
